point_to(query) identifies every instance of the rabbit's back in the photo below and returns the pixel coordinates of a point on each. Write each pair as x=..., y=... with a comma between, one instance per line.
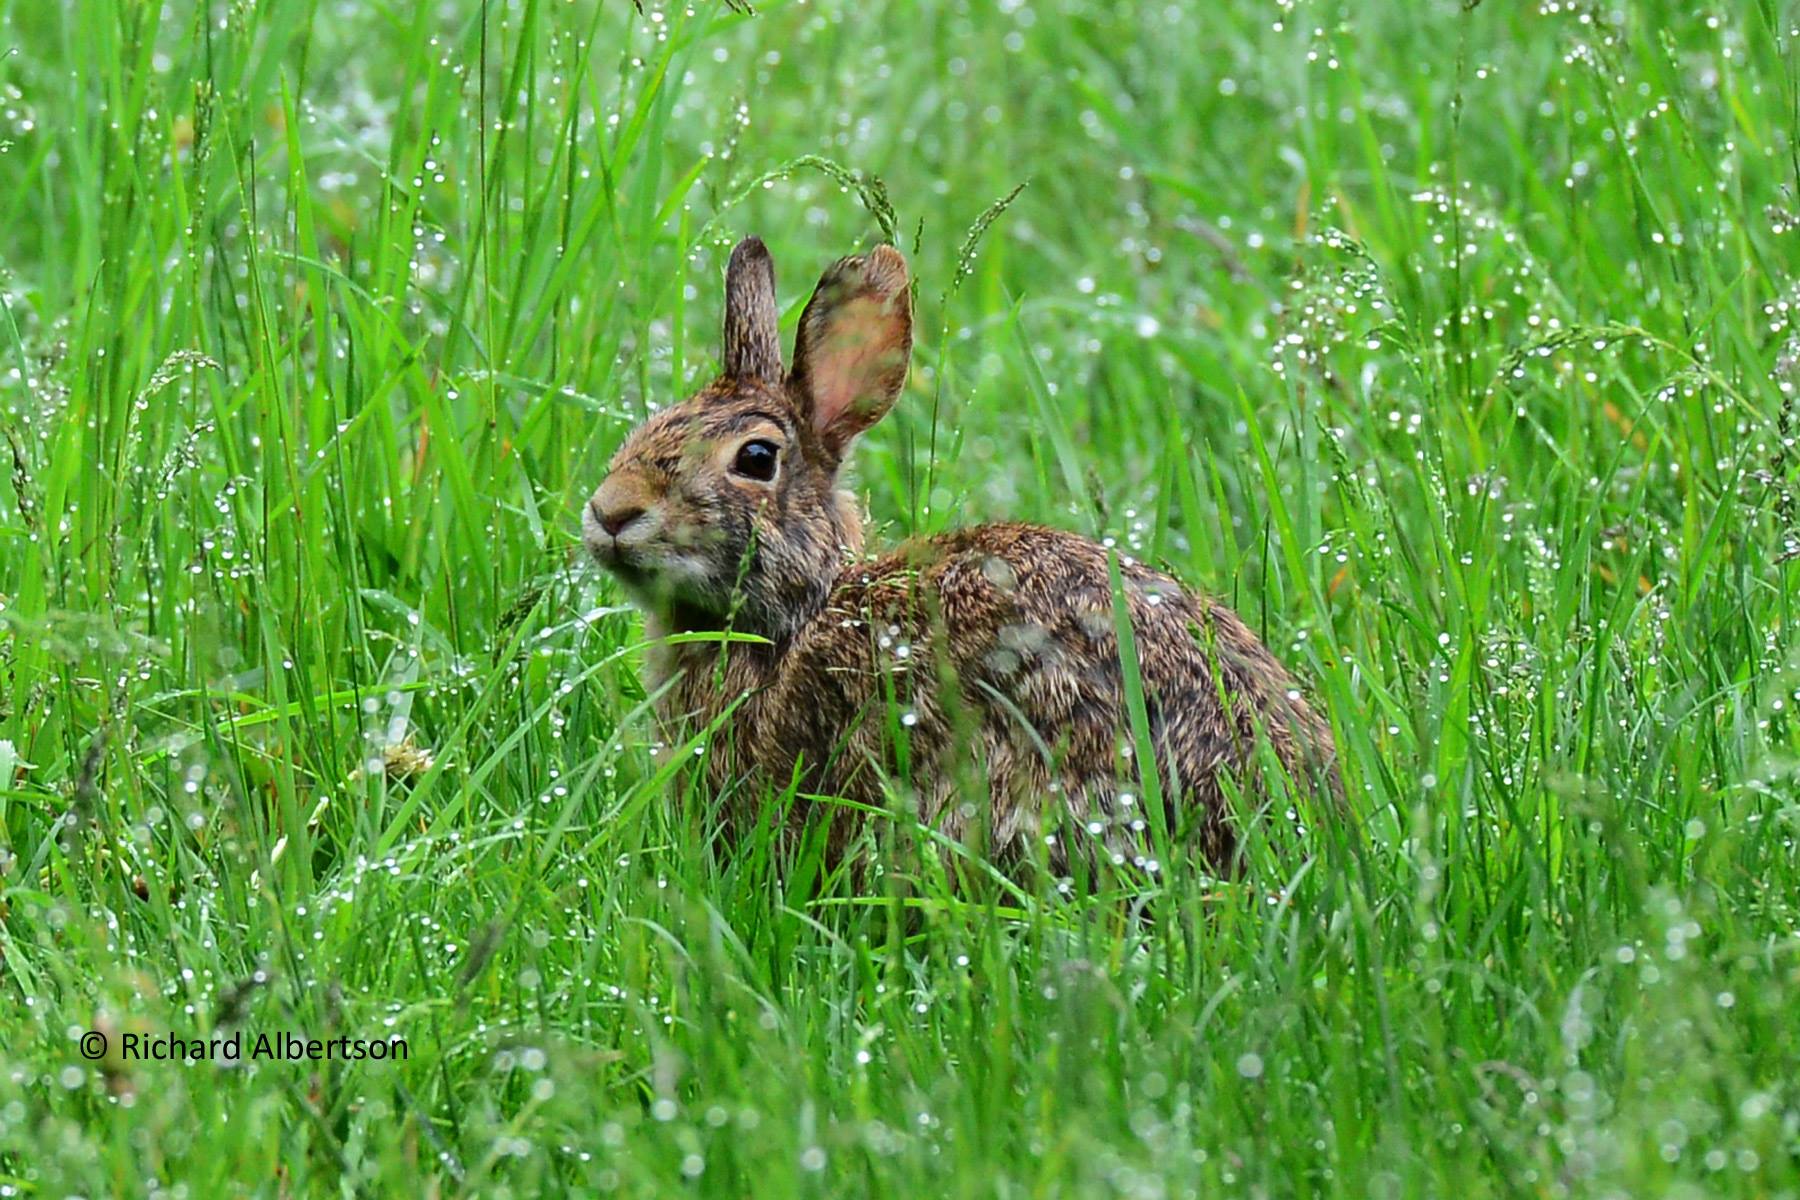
x=988, y=660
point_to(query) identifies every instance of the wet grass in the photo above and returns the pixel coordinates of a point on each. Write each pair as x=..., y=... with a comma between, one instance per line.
x=1451, y=343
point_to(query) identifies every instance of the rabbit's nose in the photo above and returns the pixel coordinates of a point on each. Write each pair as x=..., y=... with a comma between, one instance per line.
x=622, y=498
x=615, y=520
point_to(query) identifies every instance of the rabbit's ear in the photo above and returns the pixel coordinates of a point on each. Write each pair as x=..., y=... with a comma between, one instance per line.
x=851, y=352
x=752, y=333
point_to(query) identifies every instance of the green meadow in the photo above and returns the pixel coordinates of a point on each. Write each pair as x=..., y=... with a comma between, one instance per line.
x=1451, y=342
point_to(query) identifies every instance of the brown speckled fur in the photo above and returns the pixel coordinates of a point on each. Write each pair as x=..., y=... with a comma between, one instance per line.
x=998, y=642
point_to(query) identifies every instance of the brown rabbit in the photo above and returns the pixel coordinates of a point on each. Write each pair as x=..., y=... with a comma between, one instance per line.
x=993, y=647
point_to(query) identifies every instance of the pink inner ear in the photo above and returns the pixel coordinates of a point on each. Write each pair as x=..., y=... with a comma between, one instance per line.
x=851, y=371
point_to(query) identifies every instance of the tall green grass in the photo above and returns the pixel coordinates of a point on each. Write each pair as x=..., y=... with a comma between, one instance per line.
x=1450, y=342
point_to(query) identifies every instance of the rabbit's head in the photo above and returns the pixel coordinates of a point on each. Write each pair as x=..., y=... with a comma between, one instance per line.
x=727, y=505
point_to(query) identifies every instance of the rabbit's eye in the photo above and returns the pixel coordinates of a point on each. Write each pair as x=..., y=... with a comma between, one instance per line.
x=756, y=460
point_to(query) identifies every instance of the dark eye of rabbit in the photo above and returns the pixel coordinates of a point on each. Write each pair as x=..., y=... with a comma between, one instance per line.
x=756, y=460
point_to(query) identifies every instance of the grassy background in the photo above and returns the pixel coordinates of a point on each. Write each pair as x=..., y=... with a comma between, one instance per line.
x=1452, y=346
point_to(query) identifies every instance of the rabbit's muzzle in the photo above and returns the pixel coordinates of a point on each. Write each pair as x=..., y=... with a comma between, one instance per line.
x=622, y=518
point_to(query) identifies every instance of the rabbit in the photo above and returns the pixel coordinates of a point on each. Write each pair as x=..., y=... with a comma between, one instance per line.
x=992, y=647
